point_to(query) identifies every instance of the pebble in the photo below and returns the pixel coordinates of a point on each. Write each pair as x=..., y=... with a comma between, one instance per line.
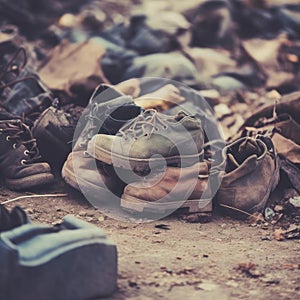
x=207, y=286
x=82, y=214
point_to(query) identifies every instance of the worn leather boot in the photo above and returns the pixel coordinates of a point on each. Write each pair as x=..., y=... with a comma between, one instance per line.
x=251, y=174
x=54, y=131
x=20, y=163
x=80, y=170
x=21, y=90
x=152, y=139
x=170, y=189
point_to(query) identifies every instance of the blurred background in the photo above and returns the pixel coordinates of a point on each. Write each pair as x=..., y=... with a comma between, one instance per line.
x=240, y=54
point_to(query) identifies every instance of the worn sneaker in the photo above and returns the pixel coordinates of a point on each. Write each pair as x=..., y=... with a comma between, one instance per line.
x=80, y=171
x=151, y=138
x=20, y=163
x=169, y=190
x=251, y=174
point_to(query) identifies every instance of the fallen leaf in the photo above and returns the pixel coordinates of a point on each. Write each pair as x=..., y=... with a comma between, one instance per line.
x=278, y=208
x=249, y=269
x=256, y=218
x=279, y=235
x=291, y=266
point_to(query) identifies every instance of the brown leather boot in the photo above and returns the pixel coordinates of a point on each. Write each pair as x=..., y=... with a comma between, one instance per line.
x=20, y=164
x=95, y=181
x=169, y=190
x=251, y=174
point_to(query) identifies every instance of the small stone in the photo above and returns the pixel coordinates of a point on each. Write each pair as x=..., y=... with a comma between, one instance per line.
x=232, y=283
x=207, y=286
x=82, y=213
x=270, y=279
x=89, y=219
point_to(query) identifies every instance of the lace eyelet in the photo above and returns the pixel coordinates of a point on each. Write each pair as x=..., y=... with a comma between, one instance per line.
x=85, y=154
x=23, y=162
x=14, y=146
x=26, y=152
x=1, y=131
x=8, y=138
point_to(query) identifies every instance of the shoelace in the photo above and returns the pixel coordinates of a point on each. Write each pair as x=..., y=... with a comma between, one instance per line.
x=91, y=119
x=22, y=135
x=149, y=118
x=12, y=68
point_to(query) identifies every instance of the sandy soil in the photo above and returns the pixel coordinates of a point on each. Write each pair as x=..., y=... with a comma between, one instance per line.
x=187, y=261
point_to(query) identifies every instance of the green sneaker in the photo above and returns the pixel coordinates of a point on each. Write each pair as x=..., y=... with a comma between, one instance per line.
x=151, y=139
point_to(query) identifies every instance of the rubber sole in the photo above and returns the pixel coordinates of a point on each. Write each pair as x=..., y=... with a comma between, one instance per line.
x=29, y=181
x=76, y=182
x=137, y=205
x=140, y=164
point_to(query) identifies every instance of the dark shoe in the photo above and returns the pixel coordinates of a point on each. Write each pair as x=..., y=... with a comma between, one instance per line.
x=54, y=131
x=251, y=174
x=38, y=259
x=19, y=157
x=169, y=190
x=21, y=90
x=13, y=219
x=107, y=112
x=178, y=140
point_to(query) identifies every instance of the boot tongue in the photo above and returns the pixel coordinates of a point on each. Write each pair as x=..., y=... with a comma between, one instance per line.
x=246, y=149
x=231, y=163
x=180, y=116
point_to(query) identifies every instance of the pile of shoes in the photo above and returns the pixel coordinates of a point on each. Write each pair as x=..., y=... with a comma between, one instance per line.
x=148, y=161
x=154, y=160
x=21, y=95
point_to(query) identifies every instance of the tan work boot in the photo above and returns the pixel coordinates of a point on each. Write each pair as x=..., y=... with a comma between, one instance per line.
x=251, y=174
x=152, y=139
x=20, y=162
x=94, y=181
x=169, y=190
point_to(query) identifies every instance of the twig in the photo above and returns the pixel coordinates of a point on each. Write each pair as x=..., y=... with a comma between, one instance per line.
x=233, y=208
x=33, y=196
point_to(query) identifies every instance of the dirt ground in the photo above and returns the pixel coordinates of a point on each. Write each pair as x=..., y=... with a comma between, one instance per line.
x=184, y=261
